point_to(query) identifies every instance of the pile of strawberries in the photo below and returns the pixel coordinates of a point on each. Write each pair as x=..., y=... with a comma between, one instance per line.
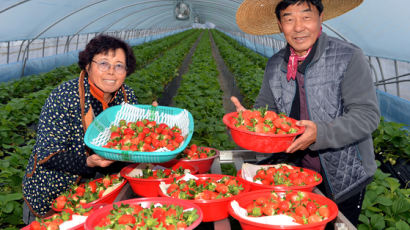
x=205, y=188
x=78, y=197
x=51, y=223
x=296, y=204
x=194, y=152
x=287, y=176
x=161, y=173
x=133, y=216
x=75, y=202
x=264, y=121
x=144, y=136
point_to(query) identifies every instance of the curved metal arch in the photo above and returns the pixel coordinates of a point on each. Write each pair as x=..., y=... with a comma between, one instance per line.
x=128, y=15
x=51, y=26
x=14, y=5
x=224, y=18
x=216, y=8
x=144, y=19
x=336, y=32
x=106, y=14
x=131, y=25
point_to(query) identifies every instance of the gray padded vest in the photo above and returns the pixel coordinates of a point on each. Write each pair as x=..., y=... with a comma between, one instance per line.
x=343, y=169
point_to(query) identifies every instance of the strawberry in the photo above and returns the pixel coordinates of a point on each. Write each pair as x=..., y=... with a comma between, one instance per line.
x=35, y=225
x=106, y=181
x=324, y=211
x=126, y=219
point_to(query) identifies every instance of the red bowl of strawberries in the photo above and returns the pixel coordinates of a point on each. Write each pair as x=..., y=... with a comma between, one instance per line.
x=146, y=213
x=267, y=209
x=281, y=177
x=99, y=191
x=262, y=130
x=145, y=182
x=211, y=192
x=197, y=156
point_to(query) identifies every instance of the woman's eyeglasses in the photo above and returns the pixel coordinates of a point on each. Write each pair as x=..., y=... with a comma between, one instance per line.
x=104, y=66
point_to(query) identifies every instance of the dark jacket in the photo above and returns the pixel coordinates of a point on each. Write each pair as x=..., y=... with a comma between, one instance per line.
x=59, y=155
x=341, y=100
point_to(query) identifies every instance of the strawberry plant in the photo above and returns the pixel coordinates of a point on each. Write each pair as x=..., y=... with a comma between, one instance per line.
x=385, y=205
x=391, y=141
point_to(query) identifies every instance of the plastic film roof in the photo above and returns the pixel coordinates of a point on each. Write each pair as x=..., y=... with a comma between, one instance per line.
x=379, y=27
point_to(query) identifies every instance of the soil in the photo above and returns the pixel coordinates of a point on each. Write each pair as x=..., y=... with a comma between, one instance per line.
x=226, y=79
x=172, y=88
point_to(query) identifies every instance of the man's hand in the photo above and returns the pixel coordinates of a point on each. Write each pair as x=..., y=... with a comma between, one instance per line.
x=97, y=160
x=155, y=103
x=306, y=139
x=237, y=104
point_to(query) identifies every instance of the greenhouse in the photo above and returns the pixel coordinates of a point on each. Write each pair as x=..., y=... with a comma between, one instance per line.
x=217, y=114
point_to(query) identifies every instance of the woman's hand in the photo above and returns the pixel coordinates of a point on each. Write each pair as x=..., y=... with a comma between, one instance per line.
x=306, y=139
x=97, y=160
x=237, y=104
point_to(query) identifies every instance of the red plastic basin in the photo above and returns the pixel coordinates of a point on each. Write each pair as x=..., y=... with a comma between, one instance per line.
x=148, y=187
x=213, y=210
x=255, y=186
x=95, y=217
x=203, y=165
x=247, y=198
x=260, y=142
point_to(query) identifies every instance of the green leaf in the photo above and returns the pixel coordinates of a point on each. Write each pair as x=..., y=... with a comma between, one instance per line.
x=377, y=221
x=8, y=208
x=384, y=201
x=371, y=196
x=374, y=209
x=364, y=219
x=393, y=182
x=400, y=205
x=362, y=227
x=401, y=225
x=10, y=197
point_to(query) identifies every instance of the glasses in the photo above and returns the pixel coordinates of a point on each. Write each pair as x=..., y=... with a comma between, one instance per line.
x=104, y=66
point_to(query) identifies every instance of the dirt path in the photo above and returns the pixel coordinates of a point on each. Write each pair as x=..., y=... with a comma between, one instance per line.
x=172, y=88
x=226, y=79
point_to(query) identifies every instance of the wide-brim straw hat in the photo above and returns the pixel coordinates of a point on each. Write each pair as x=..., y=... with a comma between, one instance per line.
x=258, y=17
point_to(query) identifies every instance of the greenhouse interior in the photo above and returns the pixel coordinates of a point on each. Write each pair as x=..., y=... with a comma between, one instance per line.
x=192, y=128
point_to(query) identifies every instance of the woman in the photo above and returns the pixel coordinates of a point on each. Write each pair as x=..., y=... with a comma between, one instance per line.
x=60, y=157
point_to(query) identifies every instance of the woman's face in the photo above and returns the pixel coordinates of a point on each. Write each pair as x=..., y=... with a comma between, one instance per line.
x=108, y=71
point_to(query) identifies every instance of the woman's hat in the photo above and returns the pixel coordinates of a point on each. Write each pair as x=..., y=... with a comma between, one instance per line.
x=258, y=16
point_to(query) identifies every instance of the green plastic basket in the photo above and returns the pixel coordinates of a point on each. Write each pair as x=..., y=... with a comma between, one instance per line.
x=98, y=133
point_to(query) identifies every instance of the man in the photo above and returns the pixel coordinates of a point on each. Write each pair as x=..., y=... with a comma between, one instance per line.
x=326, y=84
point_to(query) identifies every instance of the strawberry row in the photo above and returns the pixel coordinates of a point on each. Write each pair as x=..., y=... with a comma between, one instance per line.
x=247, y=74
x=256, y=58
x=201, y=94
x=149, y=83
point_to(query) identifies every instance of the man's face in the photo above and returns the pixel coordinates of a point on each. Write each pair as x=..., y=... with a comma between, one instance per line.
x=300, y=23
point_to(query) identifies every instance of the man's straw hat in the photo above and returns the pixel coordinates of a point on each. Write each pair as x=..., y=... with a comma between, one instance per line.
x=258, y=16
